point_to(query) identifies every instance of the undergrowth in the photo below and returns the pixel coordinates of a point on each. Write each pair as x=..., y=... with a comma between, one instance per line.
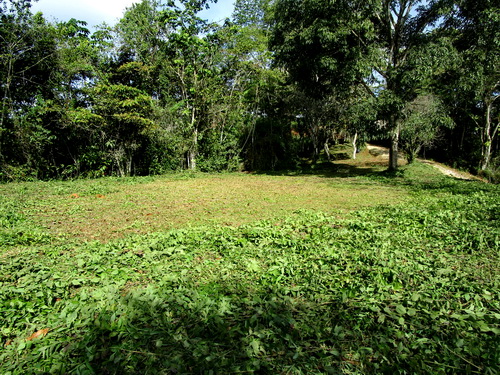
x=403, y=289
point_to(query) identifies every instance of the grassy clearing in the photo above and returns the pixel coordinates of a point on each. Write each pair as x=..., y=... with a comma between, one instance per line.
x=111, y=208
x=364, y=275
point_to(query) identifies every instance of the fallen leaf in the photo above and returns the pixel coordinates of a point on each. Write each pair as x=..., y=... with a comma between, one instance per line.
x=38, y=334
x=74, y=196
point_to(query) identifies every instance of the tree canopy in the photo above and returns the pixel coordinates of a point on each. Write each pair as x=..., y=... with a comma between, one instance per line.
x=278, y=82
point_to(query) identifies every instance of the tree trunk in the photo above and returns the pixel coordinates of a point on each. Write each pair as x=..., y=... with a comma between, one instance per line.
x=193, y=147
x=355, y=149
x=486, y=155
x=327, y=150
x=487, y=138
x=119, y=156
x=5, y=100
x=191, y=154
x=393, y=150
x=413, y=153
x=191, y=160
x=129, y=166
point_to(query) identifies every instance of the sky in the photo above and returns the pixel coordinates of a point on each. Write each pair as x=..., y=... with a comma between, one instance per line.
x=95, y=12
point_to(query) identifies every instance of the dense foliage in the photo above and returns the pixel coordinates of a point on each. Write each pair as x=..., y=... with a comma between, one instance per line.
x=397, y=51
x=165, y=90
x=405, y=288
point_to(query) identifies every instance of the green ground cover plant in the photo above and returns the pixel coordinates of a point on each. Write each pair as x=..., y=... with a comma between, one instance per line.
x=395, y=274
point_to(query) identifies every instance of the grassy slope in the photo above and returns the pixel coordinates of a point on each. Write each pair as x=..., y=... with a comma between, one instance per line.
x=367, y=274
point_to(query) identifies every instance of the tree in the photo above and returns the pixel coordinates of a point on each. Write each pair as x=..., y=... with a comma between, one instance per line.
x=251, y=13
x=178, y=50
x=473, y=27
x=265, y=98
x=319, y=43
x=331, y=47
x=28, y=53
x=142, y=37
x=358, y=117
x=193, y=70
x=16, y=19
x=122, y=114
x=423, y=118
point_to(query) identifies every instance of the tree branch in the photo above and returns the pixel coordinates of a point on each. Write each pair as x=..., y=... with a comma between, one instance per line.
x=367, y=88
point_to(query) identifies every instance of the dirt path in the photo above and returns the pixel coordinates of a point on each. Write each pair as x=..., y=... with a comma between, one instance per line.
x=450, y=171
x=383, y=153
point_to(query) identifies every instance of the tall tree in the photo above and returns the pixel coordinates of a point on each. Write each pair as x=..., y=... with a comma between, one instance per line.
x=141, y=40
x=264, y=93
x=28, y=55
x=123, y=114
x=332, y=46
x=193, y=71
x=474, y=28
x=177, y=50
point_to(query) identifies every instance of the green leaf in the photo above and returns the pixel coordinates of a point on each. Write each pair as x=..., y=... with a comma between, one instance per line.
x=401, y=309
x=415, y=297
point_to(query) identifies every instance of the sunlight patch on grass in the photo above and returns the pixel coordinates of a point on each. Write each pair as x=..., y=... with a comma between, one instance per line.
x=109, y=209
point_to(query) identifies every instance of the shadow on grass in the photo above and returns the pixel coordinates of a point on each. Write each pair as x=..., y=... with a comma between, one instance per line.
x=195, y=333
x=327, y=170
x=417, y=176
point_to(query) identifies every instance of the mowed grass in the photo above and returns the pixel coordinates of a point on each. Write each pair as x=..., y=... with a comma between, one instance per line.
x=111, y=208
x=345, y=270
